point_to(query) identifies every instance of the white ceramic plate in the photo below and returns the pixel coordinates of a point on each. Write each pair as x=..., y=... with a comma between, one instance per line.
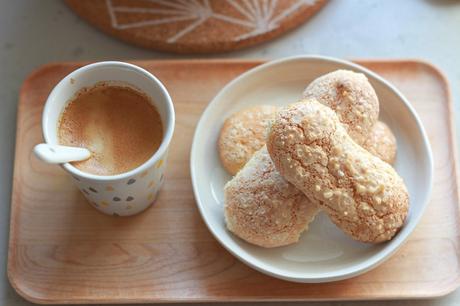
x=324, y=253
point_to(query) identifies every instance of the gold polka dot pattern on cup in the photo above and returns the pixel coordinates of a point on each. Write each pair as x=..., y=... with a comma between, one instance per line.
x=109, y=188
x=150, y=197
x=159, y=163
x=145, y=173
x=151, y=184
x=129, y=207
x=104, y=203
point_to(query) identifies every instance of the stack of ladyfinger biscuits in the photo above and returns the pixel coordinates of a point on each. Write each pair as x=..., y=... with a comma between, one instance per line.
x=327, y=152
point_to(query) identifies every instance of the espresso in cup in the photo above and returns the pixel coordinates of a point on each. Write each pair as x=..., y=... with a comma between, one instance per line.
x=118, y=124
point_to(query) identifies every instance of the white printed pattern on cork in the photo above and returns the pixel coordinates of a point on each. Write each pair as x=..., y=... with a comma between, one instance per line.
x=258, y=16
x=125, y=197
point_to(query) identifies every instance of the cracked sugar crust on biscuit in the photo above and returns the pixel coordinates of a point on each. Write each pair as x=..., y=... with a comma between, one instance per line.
x=243, y=134
x=362, y=195
x=381, y=142
x=263, y=208
x=351, y=96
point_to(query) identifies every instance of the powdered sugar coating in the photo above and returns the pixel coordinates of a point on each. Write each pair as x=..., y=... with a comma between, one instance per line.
x=381, y=142
x=351, y=96
x=263, y=208
x=362, y=195
x=243, y=134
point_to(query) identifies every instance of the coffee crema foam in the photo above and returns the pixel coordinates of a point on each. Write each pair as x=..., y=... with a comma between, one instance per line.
x=119, y=125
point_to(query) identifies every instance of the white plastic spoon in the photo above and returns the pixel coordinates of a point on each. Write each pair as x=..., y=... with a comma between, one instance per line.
x=56, y=154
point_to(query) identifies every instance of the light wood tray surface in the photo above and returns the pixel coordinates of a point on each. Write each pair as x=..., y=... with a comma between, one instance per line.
x=63, y=251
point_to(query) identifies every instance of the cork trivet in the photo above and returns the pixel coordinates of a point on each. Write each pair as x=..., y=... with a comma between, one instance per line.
x=195, y=26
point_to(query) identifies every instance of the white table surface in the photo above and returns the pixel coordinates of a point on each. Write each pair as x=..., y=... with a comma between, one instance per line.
x=33, y=33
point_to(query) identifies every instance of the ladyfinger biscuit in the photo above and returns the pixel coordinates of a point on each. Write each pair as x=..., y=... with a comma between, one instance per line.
x=263, y=208
x=363, y=195
x=243, y=134
x=351, y=96
x=381, y=142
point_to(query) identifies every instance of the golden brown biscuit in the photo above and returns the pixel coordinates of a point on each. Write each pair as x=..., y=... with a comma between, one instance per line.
x=363, y=195
x=243, y=134
x=381, y=143
x=351, y=96
x=263, y=208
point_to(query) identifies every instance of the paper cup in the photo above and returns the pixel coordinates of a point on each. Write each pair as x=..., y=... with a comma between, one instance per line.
x=127, y=193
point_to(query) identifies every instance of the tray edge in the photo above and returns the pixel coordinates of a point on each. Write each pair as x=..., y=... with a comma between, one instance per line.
x=12, y=247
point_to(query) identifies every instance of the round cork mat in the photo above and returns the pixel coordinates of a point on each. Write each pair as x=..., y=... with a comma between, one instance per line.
x=195, y=26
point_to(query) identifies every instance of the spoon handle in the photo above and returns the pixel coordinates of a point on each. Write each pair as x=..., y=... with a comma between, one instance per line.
x=56, y=154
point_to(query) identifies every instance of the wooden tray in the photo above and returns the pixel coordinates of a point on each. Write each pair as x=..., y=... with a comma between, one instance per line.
x=63, y=251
